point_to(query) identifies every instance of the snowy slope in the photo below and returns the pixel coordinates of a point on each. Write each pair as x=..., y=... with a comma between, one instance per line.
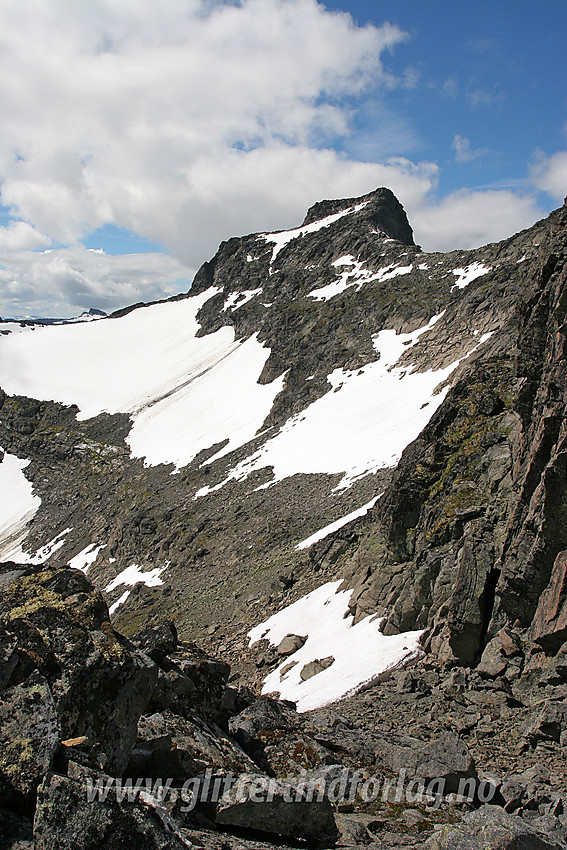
x=183, y=392
x=18, y=504
x=361, y=652
x=362, y=425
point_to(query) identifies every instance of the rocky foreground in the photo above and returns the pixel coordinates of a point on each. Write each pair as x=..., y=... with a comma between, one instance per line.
x=113, y=743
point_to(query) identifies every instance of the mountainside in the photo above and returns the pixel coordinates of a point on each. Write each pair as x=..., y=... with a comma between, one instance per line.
x=327, y=403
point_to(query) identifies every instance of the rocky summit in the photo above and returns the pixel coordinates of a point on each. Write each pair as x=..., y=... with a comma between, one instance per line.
x=283, y=559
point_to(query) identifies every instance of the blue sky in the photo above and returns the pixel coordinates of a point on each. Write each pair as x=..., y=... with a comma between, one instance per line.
x=135, y=137
x=494, y=73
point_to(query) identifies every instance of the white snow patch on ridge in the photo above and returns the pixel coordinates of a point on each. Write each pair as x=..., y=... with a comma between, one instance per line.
x=361, y=652
x=357, y=276
x=130, y=576
x=239, y=299
x=364, y=425
x=120, y=601
x=134, y=574
x=43, y=554
x=18, y=504
x=282, y=238
x=338, y=523
x=183, y=392
x=83, y=560
x=468, y=274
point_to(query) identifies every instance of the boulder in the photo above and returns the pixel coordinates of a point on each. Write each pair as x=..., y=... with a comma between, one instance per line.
x=266, y=805
x=100, y=682
x=264, y=715
x=313, y=667
x=29, y=737
x=198, y=745
x=65, y=819
x=158, y=641
x=497, y=655
x=290, y=644
x=190, y=682
x=446, y=758
x=548, y=724
x=489, y=828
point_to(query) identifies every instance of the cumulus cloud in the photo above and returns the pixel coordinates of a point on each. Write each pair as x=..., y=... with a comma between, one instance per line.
x=119, y=112
x=65, y=281
x=549, y=174
x=463, y=151
x=469, y=219
x=19, y=235
x=189, y=121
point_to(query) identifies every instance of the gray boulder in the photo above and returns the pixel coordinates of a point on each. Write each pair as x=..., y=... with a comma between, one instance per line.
x=313, y=667
x=290, y=644
x=29, y=737
x=66, y=820
x=100, y=682
x=489, y=828
x=266, y=805
x=446, y=759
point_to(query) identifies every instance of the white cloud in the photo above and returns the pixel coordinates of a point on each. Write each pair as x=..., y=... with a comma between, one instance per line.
x=471, y=218
x=463, y=151
x=20, y=236
x=549, y=174
x=115, y=112
x=66, y=281
x=190, y=121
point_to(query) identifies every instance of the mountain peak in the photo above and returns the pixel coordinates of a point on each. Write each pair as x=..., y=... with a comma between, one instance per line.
x=380, y=206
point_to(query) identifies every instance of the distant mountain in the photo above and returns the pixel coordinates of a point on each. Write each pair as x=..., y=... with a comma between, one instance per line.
x=326, y=403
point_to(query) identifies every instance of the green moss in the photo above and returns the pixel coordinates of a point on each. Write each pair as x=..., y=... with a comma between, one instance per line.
x=16, y=757
x=29, y=595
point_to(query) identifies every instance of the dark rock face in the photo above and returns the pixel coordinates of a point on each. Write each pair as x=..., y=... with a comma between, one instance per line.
x=466, y=536
x=549, y=626
x=381, y=207
x=29, y=737
x=64, y=819
x=97, y=683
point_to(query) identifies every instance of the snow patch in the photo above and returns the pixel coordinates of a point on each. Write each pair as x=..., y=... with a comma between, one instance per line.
x=282, y=237
x=363, y=426
x=134, y=574
x=362, y=653
x=120, y=601
x=183, y=392
x=43, y=554
x=18, y=504
x=338, y=523
x=357, y=276
x=468, y=274
x=208, y=410
x=239, y=299
x=83, y=560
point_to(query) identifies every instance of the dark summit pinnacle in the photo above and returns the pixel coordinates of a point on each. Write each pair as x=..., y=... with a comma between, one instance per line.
x=382, y=208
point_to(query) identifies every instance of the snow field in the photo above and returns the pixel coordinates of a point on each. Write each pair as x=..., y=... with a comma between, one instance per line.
x=18, y=504
x=362, y=653
x=183, y=392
